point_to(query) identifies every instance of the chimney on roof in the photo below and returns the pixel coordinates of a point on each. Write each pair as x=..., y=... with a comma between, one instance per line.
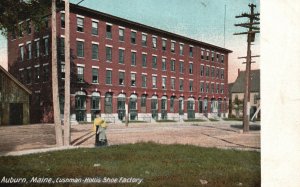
x=239, y=72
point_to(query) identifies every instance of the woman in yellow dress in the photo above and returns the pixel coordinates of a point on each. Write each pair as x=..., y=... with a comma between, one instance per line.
x=100, y=128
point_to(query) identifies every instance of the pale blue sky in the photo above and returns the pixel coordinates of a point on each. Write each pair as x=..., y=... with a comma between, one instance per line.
x=199, y=19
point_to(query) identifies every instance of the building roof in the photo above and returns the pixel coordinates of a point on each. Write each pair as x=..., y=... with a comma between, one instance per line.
x=15, y=80
x=239, y=84
x=145, y=27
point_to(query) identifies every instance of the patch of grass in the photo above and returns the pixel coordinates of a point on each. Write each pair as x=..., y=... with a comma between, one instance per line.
x=158, y=165
x=233, y=119
x=165, y=120
x=213, y=119
x=194, y=120
x=135, y=121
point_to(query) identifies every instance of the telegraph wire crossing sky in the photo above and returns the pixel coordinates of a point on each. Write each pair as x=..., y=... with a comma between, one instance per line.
x=202, y=20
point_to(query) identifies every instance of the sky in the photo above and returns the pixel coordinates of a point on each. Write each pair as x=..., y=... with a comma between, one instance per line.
x=202, y=20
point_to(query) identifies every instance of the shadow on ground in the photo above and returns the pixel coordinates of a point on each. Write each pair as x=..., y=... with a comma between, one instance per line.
x=251, y=127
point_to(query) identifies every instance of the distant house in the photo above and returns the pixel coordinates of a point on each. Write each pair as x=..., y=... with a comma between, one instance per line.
x=14, y=100
x=237, y=93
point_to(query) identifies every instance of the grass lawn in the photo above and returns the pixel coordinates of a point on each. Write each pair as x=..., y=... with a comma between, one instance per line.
x=157, y=165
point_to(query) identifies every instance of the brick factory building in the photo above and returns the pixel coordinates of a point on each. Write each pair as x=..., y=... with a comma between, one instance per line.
x=117, y=62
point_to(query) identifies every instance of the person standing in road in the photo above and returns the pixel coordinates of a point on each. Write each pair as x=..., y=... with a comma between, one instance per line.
x=100, y=128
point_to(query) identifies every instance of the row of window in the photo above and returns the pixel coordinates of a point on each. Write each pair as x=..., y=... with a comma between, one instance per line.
x=26, y=26
x=35, y=49
x=80, y=103
x=133, y=81
x=34, y=75
x=205, y=54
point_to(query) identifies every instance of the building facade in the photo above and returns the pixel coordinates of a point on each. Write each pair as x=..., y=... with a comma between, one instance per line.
x=237, y=94
x=14, y=100
x=117, y=63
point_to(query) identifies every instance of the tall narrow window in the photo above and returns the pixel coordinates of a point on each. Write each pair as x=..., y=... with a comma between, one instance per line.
x=154, y=82
x=80, y=24
x=95, y=75
x=207, y=71
x=20, y=30
x=133, y=58
x=121, y=78
x=62, y=20
x=222, y=58
x=144, y=40
x=173, y=47
x=22, y=52
x=222, y=88
x=46, y=42
x=172, y=83
x=21, y=75
x=94, y=28
x=191, y=82
x=172, y=101
x=108, y=77
x=28, y=27
x=207, y=88
x=172, y=65
x=95, y=51
x=108, y=32
x=154, y=42
x=191, y=51
x=212, y=72
x=212, y=56
x=133, y=37
x=62, y=71
x=121, y=56
x=181, y=67
x=164, y=82
x=201, y=70
x=133, y=79
x=212, y=87
x=180, y=84
x=46, y=73
x=201, y=87
x=202, y=54
x=217, y=88
x=121, y=34
x=108, y=103
x=37, y=74
x=108, y=54
x=222, y=73
x=144, y=81
x=164, y=45
x=217, y=57
x=181, y=49
x=191, y=68
x=154, y=62
x=62, y=48
x=207, y=55
x=80, y=49
x=163, y=64
x=37, y=48
x=80, y=77
x=28, y=75
x=29, y=51
x=217, y=72
x=144, y=60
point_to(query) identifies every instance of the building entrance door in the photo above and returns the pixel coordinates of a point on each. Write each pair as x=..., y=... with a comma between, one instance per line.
x=121, y=106
x=16, y=113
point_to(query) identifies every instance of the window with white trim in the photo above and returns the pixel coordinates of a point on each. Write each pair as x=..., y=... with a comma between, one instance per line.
x=80, y=49
x=144, y=40
x=80, y=24
x=121, y=78
x=95, y=75
x=108, y=54
x=80, y=76
x=95, y=51
x=94, y=28
x=108, y=77
x=121, y=34
x=154, y=79
x=133, y=79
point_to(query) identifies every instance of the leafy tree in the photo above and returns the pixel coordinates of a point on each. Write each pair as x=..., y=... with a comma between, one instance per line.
x=14, y=11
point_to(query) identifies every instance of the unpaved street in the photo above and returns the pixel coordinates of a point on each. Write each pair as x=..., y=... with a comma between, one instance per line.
x=206, y=134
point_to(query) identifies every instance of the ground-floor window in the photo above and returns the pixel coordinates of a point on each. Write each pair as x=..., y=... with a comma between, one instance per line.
x=214, y=106
x=200, y=105
x=143, y=103
x=154, y=107
x=172, y=101
x=80, y=105
x=180, y=107
x=164, y=112
x=108, y=103
x=95, y=104
x=191, y=108
x=121, y=106
x=133, y=107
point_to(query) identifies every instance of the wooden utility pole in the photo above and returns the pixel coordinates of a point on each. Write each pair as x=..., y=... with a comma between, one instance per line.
x=252, y=30
x=67, y=125
x=55, y=95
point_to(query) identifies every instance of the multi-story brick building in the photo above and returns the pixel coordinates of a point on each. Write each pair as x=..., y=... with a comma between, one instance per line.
x=115, y=62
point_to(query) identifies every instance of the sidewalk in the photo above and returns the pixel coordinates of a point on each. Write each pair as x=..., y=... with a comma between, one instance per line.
x=26, y=139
